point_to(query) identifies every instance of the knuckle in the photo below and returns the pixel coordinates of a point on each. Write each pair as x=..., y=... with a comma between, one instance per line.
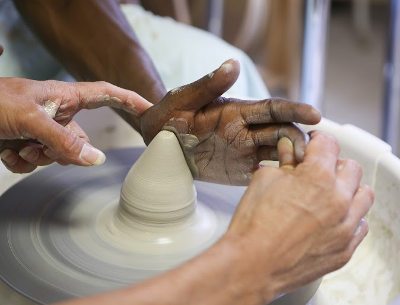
x=341, y=205
x=347, y=254
x=346, y=234
x=368, y=192
x=355, y=166
x=104, y=84
x=71, y=145
x=323, y=177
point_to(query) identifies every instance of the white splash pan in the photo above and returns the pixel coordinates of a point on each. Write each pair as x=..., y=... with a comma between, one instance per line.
x=372, y=277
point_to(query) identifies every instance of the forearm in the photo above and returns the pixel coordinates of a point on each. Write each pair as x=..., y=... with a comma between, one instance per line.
x=214, y=277
x=94, y=41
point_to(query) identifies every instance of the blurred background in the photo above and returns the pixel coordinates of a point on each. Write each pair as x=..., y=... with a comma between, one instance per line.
x=272, y=33
x=341, y=71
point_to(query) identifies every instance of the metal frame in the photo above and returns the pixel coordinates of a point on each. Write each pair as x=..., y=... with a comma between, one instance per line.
x=313, y=64
x=391, y=113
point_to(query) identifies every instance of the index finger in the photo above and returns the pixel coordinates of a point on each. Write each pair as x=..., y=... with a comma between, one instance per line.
x=323, y=149
x=98, y=94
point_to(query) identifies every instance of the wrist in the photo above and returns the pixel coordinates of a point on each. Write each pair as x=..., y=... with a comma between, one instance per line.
x=250, y=271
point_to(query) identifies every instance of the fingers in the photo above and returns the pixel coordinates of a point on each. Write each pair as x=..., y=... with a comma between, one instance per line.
x=339, y=259
x=349, y=174
x=269, y=135
x=276, y=110
x=63, y=141
x=322, y=150
x=14, y=163
x=362, y=202
x=40, y=155
x=205, y=90
x=1, y=49
x=98, y=94
x=336, y=238
x=267, y=153
x=33, y=154
x=286, y=154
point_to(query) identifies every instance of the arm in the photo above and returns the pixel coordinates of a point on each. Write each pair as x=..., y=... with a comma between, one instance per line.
x=276, y=242
x=94, y=41
x=223, y=139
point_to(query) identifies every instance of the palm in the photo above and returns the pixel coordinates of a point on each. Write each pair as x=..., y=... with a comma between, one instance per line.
x=225, y=139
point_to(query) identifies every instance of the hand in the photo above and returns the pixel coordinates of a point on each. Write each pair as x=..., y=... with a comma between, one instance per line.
x=224, y=139
x=36, y=121
x=293, y=226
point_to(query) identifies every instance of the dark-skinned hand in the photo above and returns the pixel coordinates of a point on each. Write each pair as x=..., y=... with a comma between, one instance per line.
x=224, y=139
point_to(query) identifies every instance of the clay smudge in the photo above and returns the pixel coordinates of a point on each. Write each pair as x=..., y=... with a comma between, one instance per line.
x=50, y=108
x=176, y=90
x=226, y=68
x=187, y=141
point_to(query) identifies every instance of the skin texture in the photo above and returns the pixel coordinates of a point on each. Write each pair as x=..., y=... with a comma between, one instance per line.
x=98, y=44
x=261, y=255
x=224, y=139
x=36, y=120
x=276, y=242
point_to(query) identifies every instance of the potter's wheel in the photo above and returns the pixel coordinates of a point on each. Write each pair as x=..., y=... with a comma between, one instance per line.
x=53, y=247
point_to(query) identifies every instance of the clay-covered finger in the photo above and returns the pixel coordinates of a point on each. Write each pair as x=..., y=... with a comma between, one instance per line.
x=13, y=162
x=277, y=110
x=1, y=49
x=205, y=90
x=269, y=135
x=98, y=94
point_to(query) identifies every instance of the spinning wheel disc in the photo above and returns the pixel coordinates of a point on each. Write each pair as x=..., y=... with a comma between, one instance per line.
x=54, y=241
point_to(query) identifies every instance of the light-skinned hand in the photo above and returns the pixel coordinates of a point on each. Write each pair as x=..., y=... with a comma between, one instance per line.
x=295, y=224
x=36, y=126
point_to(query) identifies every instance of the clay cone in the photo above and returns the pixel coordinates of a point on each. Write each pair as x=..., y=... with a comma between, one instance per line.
x=159, y=187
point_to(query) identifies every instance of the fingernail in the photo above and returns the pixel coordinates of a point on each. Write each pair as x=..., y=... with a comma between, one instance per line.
x=92, y=155
x=29, y=154
x=286, y=141
x=227, y=66
x=358, y=229
x=9, y=157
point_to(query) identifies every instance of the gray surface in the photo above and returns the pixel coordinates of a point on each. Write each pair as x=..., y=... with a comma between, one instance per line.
x=42, y=261
x=35, y=225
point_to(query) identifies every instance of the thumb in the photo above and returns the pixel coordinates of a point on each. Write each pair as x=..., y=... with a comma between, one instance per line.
x=64, y=142
x=205, y=90
x=286, y=153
